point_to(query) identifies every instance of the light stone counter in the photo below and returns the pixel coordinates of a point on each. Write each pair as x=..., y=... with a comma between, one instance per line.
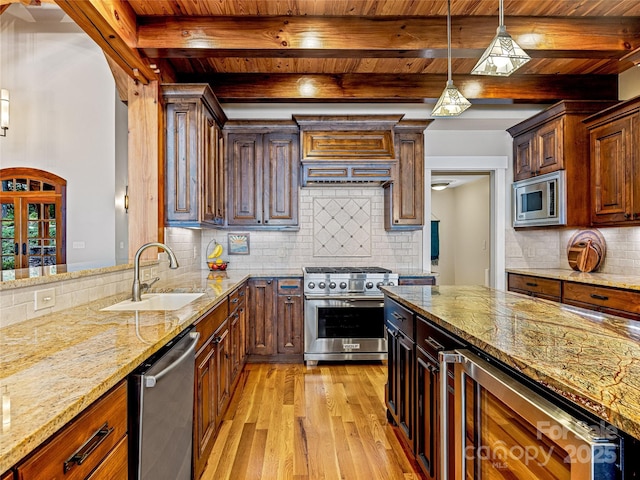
x=53, y=367
x=589, y=358
x=630, y=282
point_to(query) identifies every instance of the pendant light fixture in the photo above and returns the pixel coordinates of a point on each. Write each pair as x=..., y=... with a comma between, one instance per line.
x=451, y=103
x=503, y=56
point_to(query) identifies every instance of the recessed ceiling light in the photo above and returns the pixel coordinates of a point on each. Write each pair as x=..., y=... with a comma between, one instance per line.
x=439, y=185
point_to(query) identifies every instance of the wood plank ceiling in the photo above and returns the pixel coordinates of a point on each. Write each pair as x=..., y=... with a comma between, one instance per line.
x=366, y=50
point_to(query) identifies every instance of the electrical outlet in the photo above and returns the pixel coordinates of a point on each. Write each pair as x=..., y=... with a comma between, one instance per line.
x=146, y=274
x=44, y=299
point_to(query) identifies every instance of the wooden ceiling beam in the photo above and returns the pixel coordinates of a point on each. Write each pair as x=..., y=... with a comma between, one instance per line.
x=193, y=37
x=406, y=88
x=112, y=25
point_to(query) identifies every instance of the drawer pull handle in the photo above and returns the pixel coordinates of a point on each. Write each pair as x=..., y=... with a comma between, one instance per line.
x=235, y=300
x=433, y=343
x=88, y=447
x=397, y=316
x=599, y=297
x=532, y=284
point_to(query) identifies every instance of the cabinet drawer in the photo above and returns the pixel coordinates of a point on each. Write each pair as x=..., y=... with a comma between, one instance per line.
x=290, y=286
x=115, y=466
x=611, y=300
x=432, y=339
x=399, y=317
x=210, y=322
x=418, y=280
x=535, y=286
x=93, y=433
x=235, y=298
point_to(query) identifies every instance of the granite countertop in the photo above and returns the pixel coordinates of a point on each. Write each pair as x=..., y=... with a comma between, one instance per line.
x=589, y=358
x=53, y=367
x=630, y=282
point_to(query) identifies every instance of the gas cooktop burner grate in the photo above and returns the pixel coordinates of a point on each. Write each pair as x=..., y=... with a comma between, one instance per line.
x=346, y=270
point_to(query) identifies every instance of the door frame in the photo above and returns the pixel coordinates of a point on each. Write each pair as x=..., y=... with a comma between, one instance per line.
x=496, y=166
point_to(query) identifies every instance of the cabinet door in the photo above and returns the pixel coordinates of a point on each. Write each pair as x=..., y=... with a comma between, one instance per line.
x=427, y=415
x=115, y=465
x=245, y=179
x=523, y=154
x=391, y=389
x=611, y=177
x=406, y=389
x=234, y=334
x=289, y=324
x=204, y=422
x=221, y=340
x=262, y=316
x=181, y=174
x=549, y=147
x=213, y=174
x=281, y=173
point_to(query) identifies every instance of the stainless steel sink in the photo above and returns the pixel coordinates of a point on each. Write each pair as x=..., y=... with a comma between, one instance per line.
x=156, y=301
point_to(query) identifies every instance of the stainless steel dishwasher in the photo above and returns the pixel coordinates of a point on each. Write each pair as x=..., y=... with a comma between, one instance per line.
x=161, y=412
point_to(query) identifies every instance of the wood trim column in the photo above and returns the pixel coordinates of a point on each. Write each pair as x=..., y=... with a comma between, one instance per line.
x=146, y=136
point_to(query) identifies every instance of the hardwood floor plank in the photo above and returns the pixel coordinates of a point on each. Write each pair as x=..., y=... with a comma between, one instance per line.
x=292, y=422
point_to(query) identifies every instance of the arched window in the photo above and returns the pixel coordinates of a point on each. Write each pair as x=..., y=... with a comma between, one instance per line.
x=33, y=222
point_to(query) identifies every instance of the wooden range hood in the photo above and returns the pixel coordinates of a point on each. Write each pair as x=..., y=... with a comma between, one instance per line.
x=347, y=149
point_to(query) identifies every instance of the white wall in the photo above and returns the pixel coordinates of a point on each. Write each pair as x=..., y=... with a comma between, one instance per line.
x=62, y=121
x=629, y=83
x=464, y=214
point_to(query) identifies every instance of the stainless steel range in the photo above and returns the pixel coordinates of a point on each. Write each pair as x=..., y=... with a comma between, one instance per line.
x=344, y=313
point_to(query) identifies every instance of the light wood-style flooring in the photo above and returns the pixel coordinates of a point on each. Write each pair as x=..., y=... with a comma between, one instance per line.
x=309, y=423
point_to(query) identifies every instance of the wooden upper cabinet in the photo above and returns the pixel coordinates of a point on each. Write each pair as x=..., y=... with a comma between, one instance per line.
x=615, y=164
x=263, y=171
x=556, y=139
x=404, y=195
x=194, y=173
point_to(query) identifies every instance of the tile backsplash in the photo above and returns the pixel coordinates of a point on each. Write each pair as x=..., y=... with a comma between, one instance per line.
x=341, y=226
x=547, y=248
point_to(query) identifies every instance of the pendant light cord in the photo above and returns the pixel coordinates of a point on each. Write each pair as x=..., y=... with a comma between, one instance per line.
x=449, y=40
x=501, y=4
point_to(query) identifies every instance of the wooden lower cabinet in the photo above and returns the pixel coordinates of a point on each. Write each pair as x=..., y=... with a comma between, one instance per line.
x=262, y=314
x=238, y=330
x=7, y=476
x=289, y=320
x=611, y=300
x=547, y=288
x=624, y=303
x=276, y=318
x=99, y=434
x=399, y=391
x=204, y=423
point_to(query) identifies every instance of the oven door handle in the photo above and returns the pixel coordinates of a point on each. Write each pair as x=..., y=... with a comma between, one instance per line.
x=344, y=299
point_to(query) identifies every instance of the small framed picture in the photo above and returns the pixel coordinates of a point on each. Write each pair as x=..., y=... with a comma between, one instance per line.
x=238, y=243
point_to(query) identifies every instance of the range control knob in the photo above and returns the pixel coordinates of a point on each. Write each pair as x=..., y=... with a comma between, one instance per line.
x=332, y=285
x=311, y=285
x=322, y=285
x=391, y=284
x=369, y=285
x=379, y=284
x=343, y=285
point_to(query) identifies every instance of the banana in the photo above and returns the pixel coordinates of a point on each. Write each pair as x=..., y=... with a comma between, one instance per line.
x=217, y=251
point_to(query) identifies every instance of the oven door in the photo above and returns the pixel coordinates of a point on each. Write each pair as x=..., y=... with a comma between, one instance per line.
x=503, y=429
x=350, y=328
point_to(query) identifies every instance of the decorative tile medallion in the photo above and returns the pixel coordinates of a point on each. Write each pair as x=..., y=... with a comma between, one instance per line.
x=341, y=227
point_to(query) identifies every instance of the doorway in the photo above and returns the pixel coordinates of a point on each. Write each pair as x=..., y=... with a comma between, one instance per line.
x=491, y=169
x=460, y=227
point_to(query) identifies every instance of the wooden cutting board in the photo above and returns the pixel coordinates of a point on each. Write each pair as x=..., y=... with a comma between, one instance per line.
x=586, y=250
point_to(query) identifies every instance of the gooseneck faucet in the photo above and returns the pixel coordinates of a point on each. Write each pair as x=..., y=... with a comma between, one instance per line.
x=138, y=287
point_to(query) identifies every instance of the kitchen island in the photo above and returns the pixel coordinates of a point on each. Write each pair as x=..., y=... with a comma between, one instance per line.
x=591, y=359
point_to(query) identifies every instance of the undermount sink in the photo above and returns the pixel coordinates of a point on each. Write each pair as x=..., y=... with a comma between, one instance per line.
x=156, y=301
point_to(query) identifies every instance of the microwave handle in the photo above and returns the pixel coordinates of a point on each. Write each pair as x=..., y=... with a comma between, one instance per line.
x=446, y=359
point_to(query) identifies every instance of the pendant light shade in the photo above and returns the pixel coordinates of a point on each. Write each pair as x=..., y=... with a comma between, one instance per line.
x=503, y=56
x=451, y=103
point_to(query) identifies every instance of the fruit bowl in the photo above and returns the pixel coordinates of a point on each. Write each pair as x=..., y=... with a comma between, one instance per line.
x=214, y=265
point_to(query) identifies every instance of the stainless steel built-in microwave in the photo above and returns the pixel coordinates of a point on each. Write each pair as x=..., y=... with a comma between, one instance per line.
x=540, y=201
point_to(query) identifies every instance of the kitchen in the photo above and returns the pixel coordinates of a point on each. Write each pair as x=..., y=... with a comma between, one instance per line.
x=271, y=250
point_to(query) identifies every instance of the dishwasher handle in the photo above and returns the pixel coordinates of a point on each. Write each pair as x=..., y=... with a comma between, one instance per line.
x=151, y=380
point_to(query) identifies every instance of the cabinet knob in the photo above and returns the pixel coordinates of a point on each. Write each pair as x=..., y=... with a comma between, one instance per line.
x=627, y=216
x=266, y=221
